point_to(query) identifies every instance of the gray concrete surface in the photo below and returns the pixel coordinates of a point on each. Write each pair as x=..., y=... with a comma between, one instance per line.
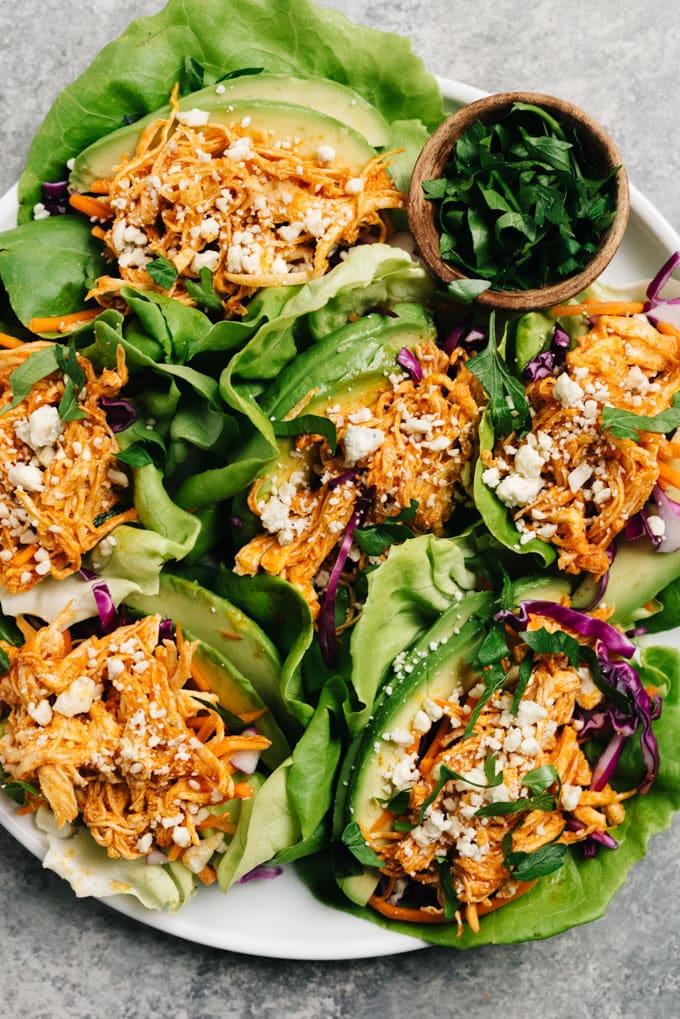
x=66, y=958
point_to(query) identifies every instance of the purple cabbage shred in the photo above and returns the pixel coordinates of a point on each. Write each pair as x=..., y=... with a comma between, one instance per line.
x=410, y=363
x=120, y=414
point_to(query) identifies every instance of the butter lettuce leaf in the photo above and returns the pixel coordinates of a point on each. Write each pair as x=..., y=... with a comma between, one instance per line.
x=581, y=890
x=134, y=74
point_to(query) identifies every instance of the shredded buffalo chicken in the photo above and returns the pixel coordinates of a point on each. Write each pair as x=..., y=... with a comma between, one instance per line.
x=421, y=437
x=254, y=211
x=568, y=482
x=109, y=735
x=61, y=488
x=541, y=732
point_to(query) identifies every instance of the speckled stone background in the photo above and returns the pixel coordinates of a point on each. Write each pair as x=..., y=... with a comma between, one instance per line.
x=64, y=958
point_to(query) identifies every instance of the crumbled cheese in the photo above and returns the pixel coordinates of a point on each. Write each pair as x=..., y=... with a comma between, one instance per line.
x=570, y=796
x=360, y=442
x=193, y=118
x=578, y=477
x=325, y=153
x=354, y=186
x=77, y=699
x=25, y=476
x=43, y=427
x=515, y=490
x=567, y=391
x=656, y=525
x=40, y=712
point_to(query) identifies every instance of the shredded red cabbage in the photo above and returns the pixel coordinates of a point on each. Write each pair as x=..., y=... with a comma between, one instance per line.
x=349, y=475
x=472, y=338
x=634, y=710
x=669, y=511
x=571, y=619
x=166, y=630
x=328, y=640
x=662, y=277
x=236, y=522
x=598, y=840
x=105, y=606
x=258, y=873
x=55, y=197
x=548, y=361
x=410, y=363
x=667, y=310
x=120, y=414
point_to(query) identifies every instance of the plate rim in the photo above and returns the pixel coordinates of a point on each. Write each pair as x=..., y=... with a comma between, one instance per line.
x=355, y=938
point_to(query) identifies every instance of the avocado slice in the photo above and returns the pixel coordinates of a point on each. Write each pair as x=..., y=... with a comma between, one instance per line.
x=637, y=575
x=321, y=94
x=305, y=128
x=238, y=695
x=348, y=369
x=437, y=673
x=234, y=637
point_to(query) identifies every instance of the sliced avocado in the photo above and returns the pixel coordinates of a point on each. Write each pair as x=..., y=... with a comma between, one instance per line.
x=637, y=575
x=305, y=129
x=238, y=695
x=321, y=94
x=434, y=675
x=225, y=628
x=348, y=369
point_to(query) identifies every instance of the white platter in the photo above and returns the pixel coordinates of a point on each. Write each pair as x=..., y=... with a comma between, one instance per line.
x=280, y=919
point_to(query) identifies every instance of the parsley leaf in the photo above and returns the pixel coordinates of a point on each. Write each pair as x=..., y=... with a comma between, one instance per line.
x=139, y=454
x=451, y=901
x=36, y=367
x=375, y=539
x=508, y=404
x=528, y=866
x=67, y=361
x=355, y=842
x=162, y=271
x=447, y=774
x=308, y=424
x=624, y=424
x=15, y=789
x=204, y=291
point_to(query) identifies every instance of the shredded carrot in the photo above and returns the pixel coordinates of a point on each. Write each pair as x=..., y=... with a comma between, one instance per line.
x=522, y=888
x=25, y=555
x=407, y=913
x=10, y=342
x=598, y=308
x=63, y=323
x=91, y=207
x=208, y=875
x=384, y=820
x=667, y=329
x=174, y=851
x=672, y=450
x=30, y=808
x=669, y=475
x=252, y=716
x=199, y=679
x=242, y=791
x=232, y=744
x=100, y=187
x=221, y=822
x=434, y=749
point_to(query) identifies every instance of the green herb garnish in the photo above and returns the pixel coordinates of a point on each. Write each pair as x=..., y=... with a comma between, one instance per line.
x=162, y=271
x=308, y=424
x=508, y=404
x=204, y=291
x=375, y=539
x=355, y=842
x=517, y=207
x=624, y=424
x=446, y=774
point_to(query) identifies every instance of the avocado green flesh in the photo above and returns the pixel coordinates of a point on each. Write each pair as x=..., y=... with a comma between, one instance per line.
x=345, y=384
x=238, y=695
x=320, y=94
x=438, y=675
x=226, y=629
x=637, y=575
x=305, y=129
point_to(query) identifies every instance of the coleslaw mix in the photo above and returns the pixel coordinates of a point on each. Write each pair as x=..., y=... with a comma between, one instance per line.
x=303, y=558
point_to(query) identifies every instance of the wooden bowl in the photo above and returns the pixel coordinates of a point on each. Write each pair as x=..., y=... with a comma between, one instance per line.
x=602, y=157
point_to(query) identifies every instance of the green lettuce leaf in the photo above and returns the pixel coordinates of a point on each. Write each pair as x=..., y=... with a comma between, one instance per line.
x=135, y=73
x=581, y=890
x=48, y=265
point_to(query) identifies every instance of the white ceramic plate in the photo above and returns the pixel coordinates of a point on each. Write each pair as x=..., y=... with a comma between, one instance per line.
x=280, y=919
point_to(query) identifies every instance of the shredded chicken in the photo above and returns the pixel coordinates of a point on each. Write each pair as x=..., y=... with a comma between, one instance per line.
x=109, y=735
x=421, y=438
x=569, y=483
x=255, y=211
x=542, y=732
x=61, y=488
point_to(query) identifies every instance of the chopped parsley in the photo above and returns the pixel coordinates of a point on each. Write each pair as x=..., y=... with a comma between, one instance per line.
x=517, y=208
